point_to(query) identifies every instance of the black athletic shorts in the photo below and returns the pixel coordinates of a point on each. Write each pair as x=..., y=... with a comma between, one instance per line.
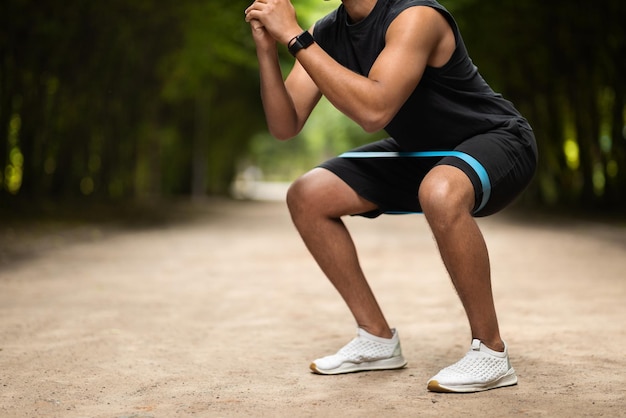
x=500, y=165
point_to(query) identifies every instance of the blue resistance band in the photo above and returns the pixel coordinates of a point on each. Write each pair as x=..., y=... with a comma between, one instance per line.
x=473, y=162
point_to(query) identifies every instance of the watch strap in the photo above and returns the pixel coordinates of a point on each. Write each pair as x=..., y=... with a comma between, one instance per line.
x=302, y=41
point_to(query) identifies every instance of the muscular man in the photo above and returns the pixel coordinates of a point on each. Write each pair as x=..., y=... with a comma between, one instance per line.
x=457, y=150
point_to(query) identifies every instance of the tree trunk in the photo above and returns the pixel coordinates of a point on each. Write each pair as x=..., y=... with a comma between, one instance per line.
x=200, y=146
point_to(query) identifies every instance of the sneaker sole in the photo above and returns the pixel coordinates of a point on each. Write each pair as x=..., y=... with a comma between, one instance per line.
x=385, y=364
x=509, y=379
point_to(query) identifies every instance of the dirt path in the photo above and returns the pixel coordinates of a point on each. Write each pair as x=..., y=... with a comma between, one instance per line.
x=220, y=316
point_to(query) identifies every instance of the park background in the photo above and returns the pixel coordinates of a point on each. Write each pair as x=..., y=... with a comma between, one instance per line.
x=125, y=104
x=132, y=286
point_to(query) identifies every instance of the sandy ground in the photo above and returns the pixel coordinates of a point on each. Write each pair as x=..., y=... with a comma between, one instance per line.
x=219, y=315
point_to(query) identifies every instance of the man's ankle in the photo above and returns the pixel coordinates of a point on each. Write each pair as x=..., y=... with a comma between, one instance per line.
x=381, y=332
x=495, y=345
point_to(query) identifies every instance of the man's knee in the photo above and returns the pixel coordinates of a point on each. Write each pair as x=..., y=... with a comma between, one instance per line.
x=321, y=193
x=304, y=193
x=296, y=194
x=445, y=193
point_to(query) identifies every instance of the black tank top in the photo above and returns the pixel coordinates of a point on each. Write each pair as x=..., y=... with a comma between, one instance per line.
x=450, y=104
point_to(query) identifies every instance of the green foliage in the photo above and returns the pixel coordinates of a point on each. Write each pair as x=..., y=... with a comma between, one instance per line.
x=118, y=100
x=309, y=11
x=562, y=63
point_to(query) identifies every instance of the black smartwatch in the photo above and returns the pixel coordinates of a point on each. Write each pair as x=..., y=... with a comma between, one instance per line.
x=302, y=41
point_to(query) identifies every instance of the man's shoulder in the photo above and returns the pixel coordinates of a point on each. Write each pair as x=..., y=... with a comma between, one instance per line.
x=398, y=6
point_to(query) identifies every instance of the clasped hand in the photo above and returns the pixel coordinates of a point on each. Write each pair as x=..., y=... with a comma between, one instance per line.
x=276, y=18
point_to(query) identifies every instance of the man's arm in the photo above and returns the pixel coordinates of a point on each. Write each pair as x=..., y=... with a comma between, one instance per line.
x=287, y=104
x=418, y=37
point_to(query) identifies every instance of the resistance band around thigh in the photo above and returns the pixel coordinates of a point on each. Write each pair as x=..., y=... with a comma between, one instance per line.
x=473, y=163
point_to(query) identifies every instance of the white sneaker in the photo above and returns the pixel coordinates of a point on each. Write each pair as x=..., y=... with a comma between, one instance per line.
x=480, y=369
x=365, y=352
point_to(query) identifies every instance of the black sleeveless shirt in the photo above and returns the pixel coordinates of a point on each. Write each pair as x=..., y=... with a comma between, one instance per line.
x=450, y=104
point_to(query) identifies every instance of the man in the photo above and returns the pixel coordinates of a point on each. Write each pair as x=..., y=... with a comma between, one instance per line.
x=458, y=150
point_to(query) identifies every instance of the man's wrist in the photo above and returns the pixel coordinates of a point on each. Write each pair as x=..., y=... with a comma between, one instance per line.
x=293, y=33
x=270, y=50
x=299, y=42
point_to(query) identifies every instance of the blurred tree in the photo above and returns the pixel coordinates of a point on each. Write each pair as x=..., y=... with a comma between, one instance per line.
x=122, y=100
x=563, y=64
x=213, y=77
x=80, y=79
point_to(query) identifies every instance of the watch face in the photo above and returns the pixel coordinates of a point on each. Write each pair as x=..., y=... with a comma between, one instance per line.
x=304, y=40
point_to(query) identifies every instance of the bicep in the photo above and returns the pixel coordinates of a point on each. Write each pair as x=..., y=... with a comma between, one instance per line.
x=411, y=40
